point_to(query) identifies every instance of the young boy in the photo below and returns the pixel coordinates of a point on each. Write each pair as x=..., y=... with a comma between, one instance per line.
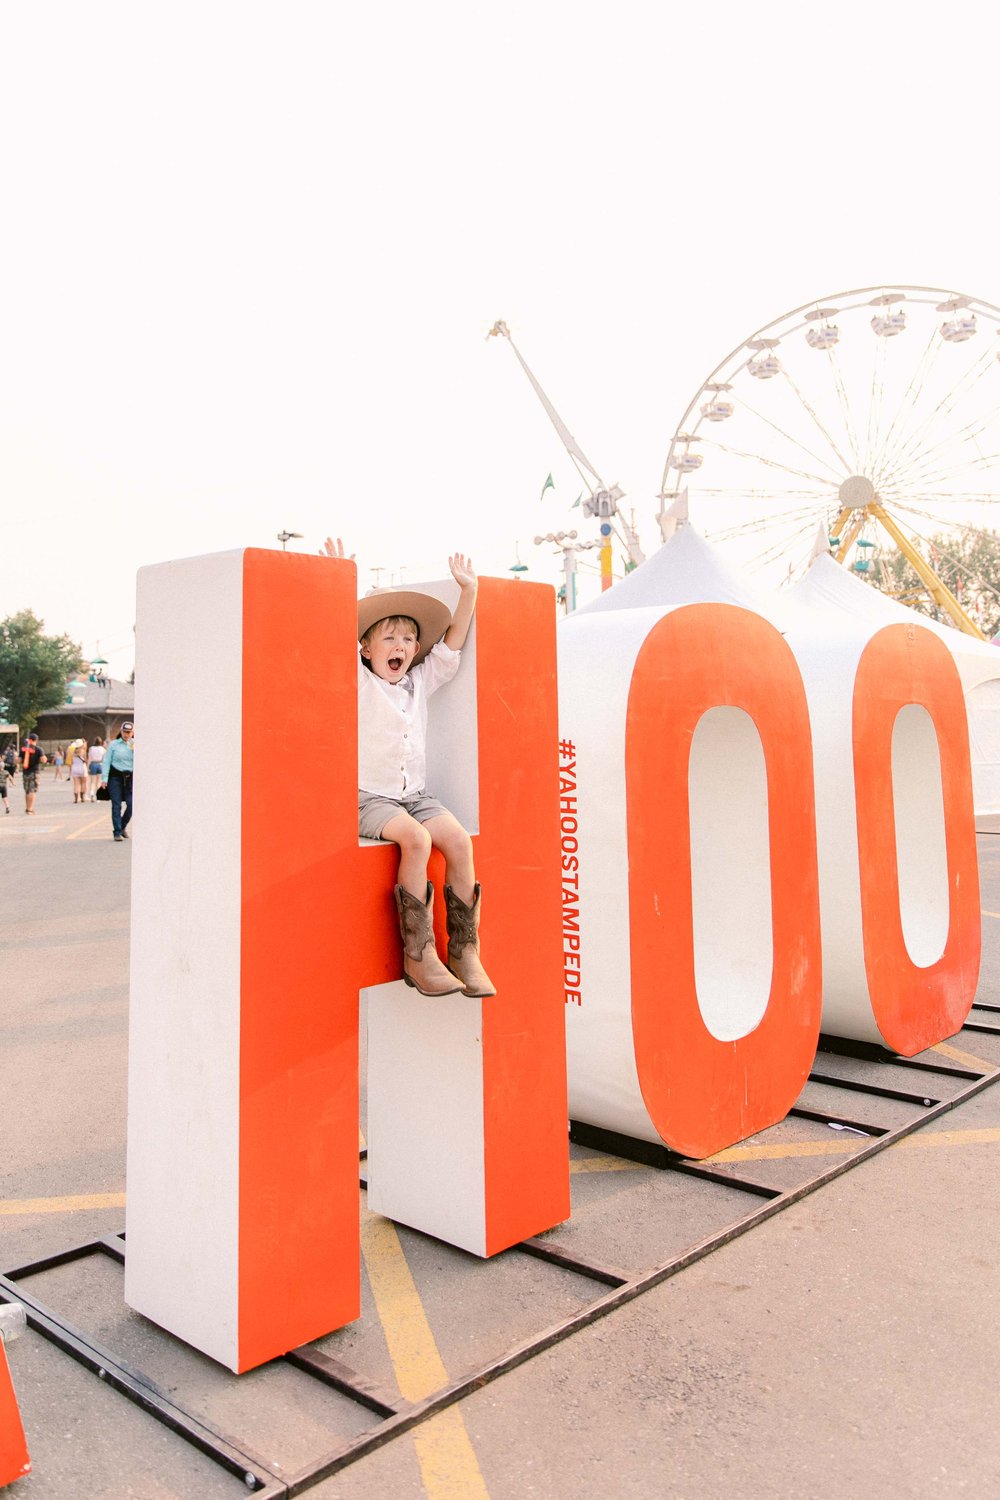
x=402, y=660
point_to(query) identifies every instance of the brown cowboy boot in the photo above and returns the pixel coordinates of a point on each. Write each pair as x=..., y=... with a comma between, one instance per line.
x=463, y=944
x=422, y=969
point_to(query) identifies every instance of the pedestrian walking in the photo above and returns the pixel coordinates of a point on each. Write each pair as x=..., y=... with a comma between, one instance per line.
x=31, y=759
x=75, y=747
x=58, y=760
x=95, y=759
x=116, y=775
x=6, y=782
x=78, y=770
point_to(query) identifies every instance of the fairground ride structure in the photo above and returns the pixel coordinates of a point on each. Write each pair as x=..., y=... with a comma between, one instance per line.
x=871, y=409
x=601, y=502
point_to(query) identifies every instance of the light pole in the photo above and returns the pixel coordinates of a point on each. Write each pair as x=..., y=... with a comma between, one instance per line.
x=569, y=546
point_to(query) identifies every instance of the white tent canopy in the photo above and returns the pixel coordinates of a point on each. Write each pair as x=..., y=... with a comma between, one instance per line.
x=828, y=589
x=686, y=570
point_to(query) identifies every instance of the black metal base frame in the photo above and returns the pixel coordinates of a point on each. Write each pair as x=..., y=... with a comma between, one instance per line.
x=397, y=1417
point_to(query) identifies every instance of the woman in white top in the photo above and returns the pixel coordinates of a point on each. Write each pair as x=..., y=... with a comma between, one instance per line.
x=78, y=770
x=95, y=761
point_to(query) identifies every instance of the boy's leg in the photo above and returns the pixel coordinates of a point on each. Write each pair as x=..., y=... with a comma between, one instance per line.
x=414, y=852
x=462, y=901
x=448, y=835
x=414, y=901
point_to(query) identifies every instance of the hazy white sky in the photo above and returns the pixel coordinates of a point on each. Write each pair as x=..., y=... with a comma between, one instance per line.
x=250, y=254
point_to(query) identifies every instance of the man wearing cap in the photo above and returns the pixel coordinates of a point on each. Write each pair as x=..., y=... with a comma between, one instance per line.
x=409, y=645
x=116, y=775
x=31, y=759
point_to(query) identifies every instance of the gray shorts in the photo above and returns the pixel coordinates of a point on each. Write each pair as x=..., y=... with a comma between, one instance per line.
x=375, y=811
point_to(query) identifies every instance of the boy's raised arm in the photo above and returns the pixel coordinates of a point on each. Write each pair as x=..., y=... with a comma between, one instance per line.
x=465, y=576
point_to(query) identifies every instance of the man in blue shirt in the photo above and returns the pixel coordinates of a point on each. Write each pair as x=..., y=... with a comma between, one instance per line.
x=116, y=775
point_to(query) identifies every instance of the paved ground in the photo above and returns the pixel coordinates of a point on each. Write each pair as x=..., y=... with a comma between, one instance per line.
x=846, y=1347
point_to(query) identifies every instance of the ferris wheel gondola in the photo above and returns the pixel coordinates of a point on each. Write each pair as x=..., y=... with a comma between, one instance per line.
x=876, y=411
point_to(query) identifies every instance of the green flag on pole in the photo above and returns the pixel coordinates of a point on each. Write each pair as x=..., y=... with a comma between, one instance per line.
x=549, y=484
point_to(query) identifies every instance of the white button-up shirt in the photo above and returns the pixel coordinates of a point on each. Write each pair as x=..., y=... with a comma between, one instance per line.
x=392, y=724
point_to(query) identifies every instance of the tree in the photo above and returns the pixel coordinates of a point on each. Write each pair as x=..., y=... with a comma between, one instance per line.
x=34, y=668
x=967, y=562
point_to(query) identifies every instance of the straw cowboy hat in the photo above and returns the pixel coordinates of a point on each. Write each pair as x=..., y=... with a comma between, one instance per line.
x=432, y=617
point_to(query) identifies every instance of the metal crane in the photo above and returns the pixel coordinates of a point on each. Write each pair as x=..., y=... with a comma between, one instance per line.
x=602, y=500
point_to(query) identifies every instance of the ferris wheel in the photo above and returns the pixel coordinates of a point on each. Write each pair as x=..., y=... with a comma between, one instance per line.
x=874, y=412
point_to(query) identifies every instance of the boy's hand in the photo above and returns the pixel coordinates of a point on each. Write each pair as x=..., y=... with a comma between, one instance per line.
x=331, y=548
x=462, y=571
x=464, y=575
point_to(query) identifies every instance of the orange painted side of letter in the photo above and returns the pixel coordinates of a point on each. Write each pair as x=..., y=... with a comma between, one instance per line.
x=315, y=906
x=517, y=861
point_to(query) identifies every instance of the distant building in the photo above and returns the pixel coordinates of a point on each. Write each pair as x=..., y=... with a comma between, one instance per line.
x=97, y=709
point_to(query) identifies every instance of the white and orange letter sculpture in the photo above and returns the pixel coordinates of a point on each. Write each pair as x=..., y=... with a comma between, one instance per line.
x=257, y=919
x=690, y=901
x=899, y=881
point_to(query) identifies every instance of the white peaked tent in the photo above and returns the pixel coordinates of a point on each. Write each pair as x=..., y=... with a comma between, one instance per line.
x=828, y=589
x=686, y=570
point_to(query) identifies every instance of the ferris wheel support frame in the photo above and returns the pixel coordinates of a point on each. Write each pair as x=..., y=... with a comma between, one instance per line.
x=850, y=536
x=939, y=592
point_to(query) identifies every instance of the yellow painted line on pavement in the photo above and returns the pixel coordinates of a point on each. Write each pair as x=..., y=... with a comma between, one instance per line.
x=69, y=1205
x=843, y=1145
x=951, y=1137
x=448, y=1464
x=832, y=1147
x=84, y=826
x=966, y=1058
x=603, y=1164
x=984, y=913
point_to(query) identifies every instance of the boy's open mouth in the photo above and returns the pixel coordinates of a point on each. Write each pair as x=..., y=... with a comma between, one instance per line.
x=395, y=663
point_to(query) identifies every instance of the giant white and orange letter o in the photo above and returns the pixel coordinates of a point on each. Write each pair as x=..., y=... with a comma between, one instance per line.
x=899, y=883
x=705, y=1088
x=690, y=921
x=916, y=838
